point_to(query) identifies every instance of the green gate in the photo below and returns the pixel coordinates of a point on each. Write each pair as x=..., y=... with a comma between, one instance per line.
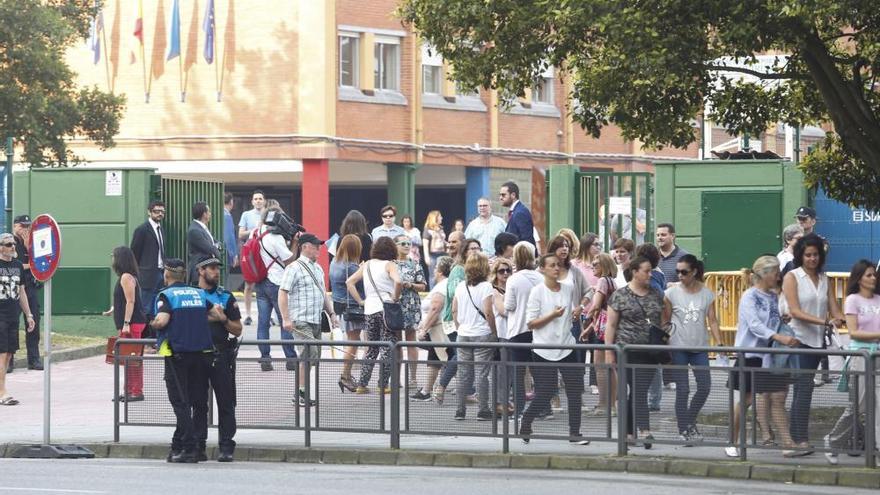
x=729, y=242
x=179, y=195
x=608, y=201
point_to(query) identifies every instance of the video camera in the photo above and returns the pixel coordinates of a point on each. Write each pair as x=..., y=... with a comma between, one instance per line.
x=279, y=223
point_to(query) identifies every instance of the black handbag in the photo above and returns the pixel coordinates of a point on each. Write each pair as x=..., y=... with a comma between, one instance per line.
x=326, y=325
x=392, y=312
x=656, y=336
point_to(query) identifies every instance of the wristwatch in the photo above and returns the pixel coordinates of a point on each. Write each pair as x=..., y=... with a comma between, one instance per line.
x=126, y=323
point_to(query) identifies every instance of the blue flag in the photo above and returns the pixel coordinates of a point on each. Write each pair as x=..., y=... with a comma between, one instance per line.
x=208, y=28
x=174, y=32
x=95, y=28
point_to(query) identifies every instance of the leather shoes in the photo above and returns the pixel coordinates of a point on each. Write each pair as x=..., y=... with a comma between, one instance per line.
x=184, y=458
x=36, y=365
x=201, y=456
x=171, y=454
x=225, y=457
x=266, y=365
x=130, y=398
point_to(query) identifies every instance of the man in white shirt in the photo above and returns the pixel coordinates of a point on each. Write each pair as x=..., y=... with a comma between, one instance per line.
x=301, y=299
x=388, y=227
x=276, y=255
x=246, y=224
x=485, y=227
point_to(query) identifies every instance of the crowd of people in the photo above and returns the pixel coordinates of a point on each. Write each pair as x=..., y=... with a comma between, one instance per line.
x=487, y=282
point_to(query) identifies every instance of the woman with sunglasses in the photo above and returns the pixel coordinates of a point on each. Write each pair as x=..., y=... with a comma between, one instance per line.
x=689, y=306
x=413, y=279
x=500, y=272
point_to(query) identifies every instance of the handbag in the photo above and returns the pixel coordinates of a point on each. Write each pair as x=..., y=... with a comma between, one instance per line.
x=125, y=351
x=352, y=313
x=392, y=312
x=326, y=325
x=656, y=336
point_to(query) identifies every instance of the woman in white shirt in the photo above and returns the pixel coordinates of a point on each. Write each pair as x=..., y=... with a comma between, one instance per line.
x=432, y=316
x=623, y=251
x=381, y=284
x=474, y=317
x=516, y=298
x=551, y=309
x=813, y=307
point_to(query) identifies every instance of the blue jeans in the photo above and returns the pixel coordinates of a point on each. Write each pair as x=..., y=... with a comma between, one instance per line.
x=686, y=415
x=655, y=391
x=267, y=301
x=802, y=397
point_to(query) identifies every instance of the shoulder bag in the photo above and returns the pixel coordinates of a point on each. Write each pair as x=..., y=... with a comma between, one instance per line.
x=392, y=312
x=351, y=313
x=657, y=336
x=471, y=298
x=325, y=318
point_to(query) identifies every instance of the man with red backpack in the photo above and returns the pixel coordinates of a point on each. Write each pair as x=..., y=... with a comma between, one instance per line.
x=263, y=258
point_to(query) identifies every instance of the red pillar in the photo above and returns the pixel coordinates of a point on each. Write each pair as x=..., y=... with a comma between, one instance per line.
x=316, y=203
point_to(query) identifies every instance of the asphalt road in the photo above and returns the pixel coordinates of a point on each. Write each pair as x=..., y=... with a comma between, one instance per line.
x=150, y=477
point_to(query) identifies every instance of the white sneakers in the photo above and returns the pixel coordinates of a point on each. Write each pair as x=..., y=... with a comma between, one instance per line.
x=731, y=451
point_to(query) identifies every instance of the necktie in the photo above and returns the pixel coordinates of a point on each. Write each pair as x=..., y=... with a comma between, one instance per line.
x=509, y=214
x=161, y=244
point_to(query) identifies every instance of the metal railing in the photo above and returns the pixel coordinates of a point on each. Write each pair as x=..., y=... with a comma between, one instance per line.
x=264, y=400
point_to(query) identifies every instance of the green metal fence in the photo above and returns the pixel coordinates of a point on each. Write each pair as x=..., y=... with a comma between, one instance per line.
x=607, y=203
x=179, y=195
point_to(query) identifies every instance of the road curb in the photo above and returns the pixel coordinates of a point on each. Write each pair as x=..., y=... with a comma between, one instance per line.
x=68, y=355
x=849, y=477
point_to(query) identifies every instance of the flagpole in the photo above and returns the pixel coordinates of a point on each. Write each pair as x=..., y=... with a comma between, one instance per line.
x=180, y=58
x=216, y=64
x=143, y=56
x=106, y=59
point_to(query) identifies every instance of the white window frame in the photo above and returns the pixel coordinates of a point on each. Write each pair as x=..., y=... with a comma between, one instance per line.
x=356, y=59
x=545, y=80
x=379, y=70
x=432, y=59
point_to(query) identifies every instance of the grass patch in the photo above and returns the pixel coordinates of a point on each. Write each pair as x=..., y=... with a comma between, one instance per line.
x=823, y=415
x=72, y=331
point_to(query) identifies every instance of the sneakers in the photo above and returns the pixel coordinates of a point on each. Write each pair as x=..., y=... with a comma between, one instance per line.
x=694, y=434
x=731, y=451
x=831, y=457
x=300, y=400
x=266, y=365
x=485, y=415
x=459, y=415
x=578, y=440
x=248, y=321
x=818, y=381
x=594, y=390
x=421, y=396
x=686, y=439
x=545, y=415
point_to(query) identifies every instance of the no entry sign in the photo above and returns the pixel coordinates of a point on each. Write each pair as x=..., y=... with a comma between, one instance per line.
x=45, y=248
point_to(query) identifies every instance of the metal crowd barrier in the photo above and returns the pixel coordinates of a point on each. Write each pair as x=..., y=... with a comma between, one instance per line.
x=264, y=400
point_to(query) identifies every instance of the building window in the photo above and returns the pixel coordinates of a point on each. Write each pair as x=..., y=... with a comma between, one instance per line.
x=542, y=91
x=387, y=64
x=432, y=71
x=348, y=61
x=431, y=79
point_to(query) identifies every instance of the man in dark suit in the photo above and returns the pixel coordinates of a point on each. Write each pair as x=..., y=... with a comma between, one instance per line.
x=519, y=218
x=200, y=242
x=148, y=244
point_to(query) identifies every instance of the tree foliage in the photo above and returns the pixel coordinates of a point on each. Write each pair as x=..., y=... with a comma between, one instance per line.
x=650, y=66
x=40, y=104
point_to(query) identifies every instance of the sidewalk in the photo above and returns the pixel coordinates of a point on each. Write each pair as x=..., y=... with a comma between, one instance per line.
x=83, y=413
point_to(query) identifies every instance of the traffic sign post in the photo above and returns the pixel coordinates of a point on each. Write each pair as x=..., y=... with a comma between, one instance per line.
x=44, y=252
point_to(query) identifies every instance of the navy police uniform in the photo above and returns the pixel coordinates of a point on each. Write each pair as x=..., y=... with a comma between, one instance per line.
x=222, y=375
x=188, y=348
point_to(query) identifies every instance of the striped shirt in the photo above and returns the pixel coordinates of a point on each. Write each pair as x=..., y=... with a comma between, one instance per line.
x=305, y=299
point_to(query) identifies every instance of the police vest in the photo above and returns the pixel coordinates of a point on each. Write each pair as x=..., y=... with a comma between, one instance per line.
x=188, y=329
x=219, y=296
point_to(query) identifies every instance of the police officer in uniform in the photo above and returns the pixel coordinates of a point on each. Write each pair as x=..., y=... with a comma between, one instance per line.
x=222, y=376
x=184, y=339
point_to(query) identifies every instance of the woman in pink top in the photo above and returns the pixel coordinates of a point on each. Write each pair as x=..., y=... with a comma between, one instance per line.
x=606, y=271
x=862, y=309
x=587, y=252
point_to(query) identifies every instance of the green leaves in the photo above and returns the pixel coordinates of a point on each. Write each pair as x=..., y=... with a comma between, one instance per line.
x=40, y=105
x=649, y=67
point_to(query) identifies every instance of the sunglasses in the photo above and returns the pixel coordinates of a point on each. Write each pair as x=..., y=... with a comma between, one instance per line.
x=683, y=272
x=7, y=244
x=158, y=211
x=504, y=271
x=387, y=216
x=404, y=243
x=803, y=219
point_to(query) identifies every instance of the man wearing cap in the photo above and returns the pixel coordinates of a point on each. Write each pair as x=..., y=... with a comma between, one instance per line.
x=21, y=228
x=184, y=340
x=301, y=298
x=806, y=218
x=12, y=301
x=222, y=375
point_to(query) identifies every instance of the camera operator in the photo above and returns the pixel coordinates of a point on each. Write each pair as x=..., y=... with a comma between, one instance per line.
x=276, y=254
